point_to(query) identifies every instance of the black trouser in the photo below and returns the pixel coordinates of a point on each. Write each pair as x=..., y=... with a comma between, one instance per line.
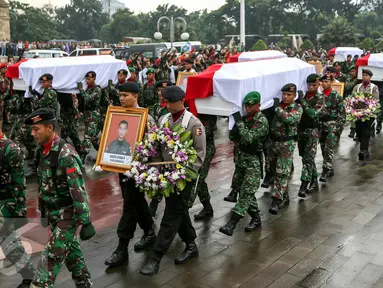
x=135, y=210
x=363, y=131
x=176, y=220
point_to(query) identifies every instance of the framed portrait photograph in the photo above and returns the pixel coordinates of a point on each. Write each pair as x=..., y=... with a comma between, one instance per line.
x=338, y=87
x=123, y=128
x=182, y=79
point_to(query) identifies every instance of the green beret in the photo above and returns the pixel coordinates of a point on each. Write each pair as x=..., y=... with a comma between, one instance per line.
x=312, y=78
x=40, y=116
x=352, y=67
x=291, y=87
x=252, y=98
x=131, y=69
x=173, y=93
x=150, y=70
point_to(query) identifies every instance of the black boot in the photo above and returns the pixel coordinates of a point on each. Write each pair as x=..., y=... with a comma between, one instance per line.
x=153, y=207
x=267, y=181
x=191, y=251
x=232, y=197
x=206, y=212
x=151, y=268
x=229, y=227
x=364, y=156
x=274, y=208
x=324, y=176
x=25, y=284
x=255, y=222
x=303, y=189
x=331, y=172
x=119, y=256
x=314, y=185
x=147, y=240
x=352, y=133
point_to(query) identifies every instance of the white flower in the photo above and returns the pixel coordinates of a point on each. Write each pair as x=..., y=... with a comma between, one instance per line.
x=175, y=176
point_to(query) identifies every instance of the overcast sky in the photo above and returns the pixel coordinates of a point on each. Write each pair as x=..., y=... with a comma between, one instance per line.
x=146, y=5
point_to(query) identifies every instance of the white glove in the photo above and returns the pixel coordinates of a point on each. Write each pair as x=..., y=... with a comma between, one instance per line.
x=97, y=168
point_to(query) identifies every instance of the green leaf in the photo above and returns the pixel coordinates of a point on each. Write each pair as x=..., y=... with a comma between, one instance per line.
x=181, y=184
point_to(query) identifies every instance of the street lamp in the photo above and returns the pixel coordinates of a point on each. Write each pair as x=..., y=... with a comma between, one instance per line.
x=242, y=23
x=184, y=35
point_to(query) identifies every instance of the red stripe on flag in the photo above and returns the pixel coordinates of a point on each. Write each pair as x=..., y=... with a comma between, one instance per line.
x=13, y=70
x=234, y=58
x=363, y=61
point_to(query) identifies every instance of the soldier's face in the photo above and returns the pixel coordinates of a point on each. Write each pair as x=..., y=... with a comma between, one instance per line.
x=46, y=83
x=252, y=109
x=326, y=84
x=353, y=73
x=313, y=87
x=188, y=66
x=122, y=77
x=42, y=133
x=366, y=78
x=174, y=107
x=159, y=92
x=288, y=97
x=150, y=76
x=128, y=99
x=90, y=81
x=122, y=130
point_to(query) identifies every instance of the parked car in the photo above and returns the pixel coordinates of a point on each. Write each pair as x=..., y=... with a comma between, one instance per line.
x=92, y=51
x=44, y=54
x=122, y=53
x=149, y=50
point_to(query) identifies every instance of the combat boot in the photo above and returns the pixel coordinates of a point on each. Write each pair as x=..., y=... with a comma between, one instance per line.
x=25, y=284
x=147, y=240
x=191, y=251
x=206, y=212
x=303, y=189
x=153, y=207
x=352, y=133
x=274, y=208
x=229, y=227
x=151, y=268
x=314, y=185
x=232, y=197
x=324, y=176
x=267, y=181
x=119, y=256
x=255, y=221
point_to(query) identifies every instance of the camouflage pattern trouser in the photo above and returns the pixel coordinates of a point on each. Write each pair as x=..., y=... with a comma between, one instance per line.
x=266, y=155
x=92, y=125
x=202, y=190
x=308, y=143
x=13, y=250
x=281, y=162
x=16, y=125
x=63, y=247
x=249, y=180
x=328, y=141
x=235, y=185
x=23, y=136
x=68, y=129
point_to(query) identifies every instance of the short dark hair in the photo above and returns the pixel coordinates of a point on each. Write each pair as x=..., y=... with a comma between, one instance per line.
x=123, y=122
x=53, y=123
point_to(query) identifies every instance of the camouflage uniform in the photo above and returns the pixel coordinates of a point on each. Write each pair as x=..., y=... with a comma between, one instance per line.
x=13, y=103
x=341, y=77
x=149, y=98
x=92, y=118
x=13, y=210
x=159, y=111
x=114, y=96
x=248, y=136
x=331, y=125
x=68, y=128
x=63, y=200
x=48, y=99
x=283, y=134
x=308, y=135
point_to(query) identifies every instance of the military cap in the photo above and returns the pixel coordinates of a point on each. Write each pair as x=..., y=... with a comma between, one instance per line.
x=312, y=78
x=327, y=77
x=291, y=87
x=122, y=71
x=91, y=74
x=336, y=64
x=129, y=87
x=331, y=69
x=368, y=72
x=40, y=116
x=151, y=70
x=173, y=93
x=189, y=61
x=47, y=77
x=132, y=69
x=163, y=84
x=252, y=98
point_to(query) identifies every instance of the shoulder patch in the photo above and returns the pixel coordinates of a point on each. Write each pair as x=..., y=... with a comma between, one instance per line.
x=70, y=170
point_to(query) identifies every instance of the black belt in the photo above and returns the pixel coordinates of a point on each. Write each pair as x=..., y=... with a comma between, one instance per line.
x=62, y=203
x=6, y=194
x=283, y=138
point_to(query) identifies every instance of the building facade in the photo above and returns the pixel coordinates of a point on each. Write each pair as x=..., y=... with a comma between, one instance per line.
x=111, y=6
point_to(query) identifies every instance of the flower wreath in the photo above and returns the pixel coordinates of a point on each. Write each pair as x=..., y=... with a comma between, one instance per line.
x=362, y=106
x=162, y=179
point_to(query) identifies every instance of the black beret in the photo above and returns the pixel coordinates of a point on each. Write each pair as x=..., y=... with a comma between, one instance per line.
x=336, y=64
x=129, y=87
x=368, y=72
x=123, y=71
x=40, y=116
x=189, y=61
x=173, y=93
x=91, y=74
x=163, y=84
x=312, y=78
x=47, y=76
x=331, y=69
x=327, y=77
x=291, y=87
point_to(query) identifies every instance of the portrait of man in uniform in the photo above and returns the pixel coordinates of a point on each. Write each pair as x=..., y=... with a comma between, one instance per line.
x=120, y=146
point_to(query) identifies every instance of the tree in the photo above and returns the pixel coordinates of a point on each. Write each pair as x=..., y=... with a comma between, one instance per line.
x=375, y=34
x=367, y=44
x=259, y=46
x=380, y=46
x=307, y=44
x=339, y=32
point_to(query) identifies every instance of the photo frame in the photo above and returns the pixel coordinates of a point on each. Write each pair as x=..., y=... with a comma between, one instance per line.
x=338, y=87
x=123, y=128
x=182, y=79
x=318, y=66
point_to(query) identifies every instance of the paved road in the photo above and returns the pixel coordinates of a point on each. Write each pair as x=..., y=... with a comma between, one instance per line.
x=331, y=239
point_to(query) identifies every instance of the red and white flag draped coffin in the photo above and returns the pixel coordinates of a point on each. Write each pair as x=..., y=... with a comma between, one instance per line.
x=341, y=53
x=220, y=89
x=373, y=62
x=256, y=55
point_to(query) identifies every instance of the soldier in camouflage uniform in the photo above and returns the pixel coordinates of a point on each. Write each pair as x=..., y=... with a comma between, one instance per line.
x=62, y=201
x=69, y=114
x=12, y=102
x=49, y=97
x=338, y=73
x=283, y=135
x=308, y=134
x=248, y=134
x=13, y=211
x=148, y=97
x=331, y=125
x=92, y=113
x=349, y=86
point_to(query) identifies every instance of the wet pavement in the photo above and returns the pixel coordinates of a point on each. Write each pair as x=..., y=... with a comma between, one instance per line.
x=332, y=238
